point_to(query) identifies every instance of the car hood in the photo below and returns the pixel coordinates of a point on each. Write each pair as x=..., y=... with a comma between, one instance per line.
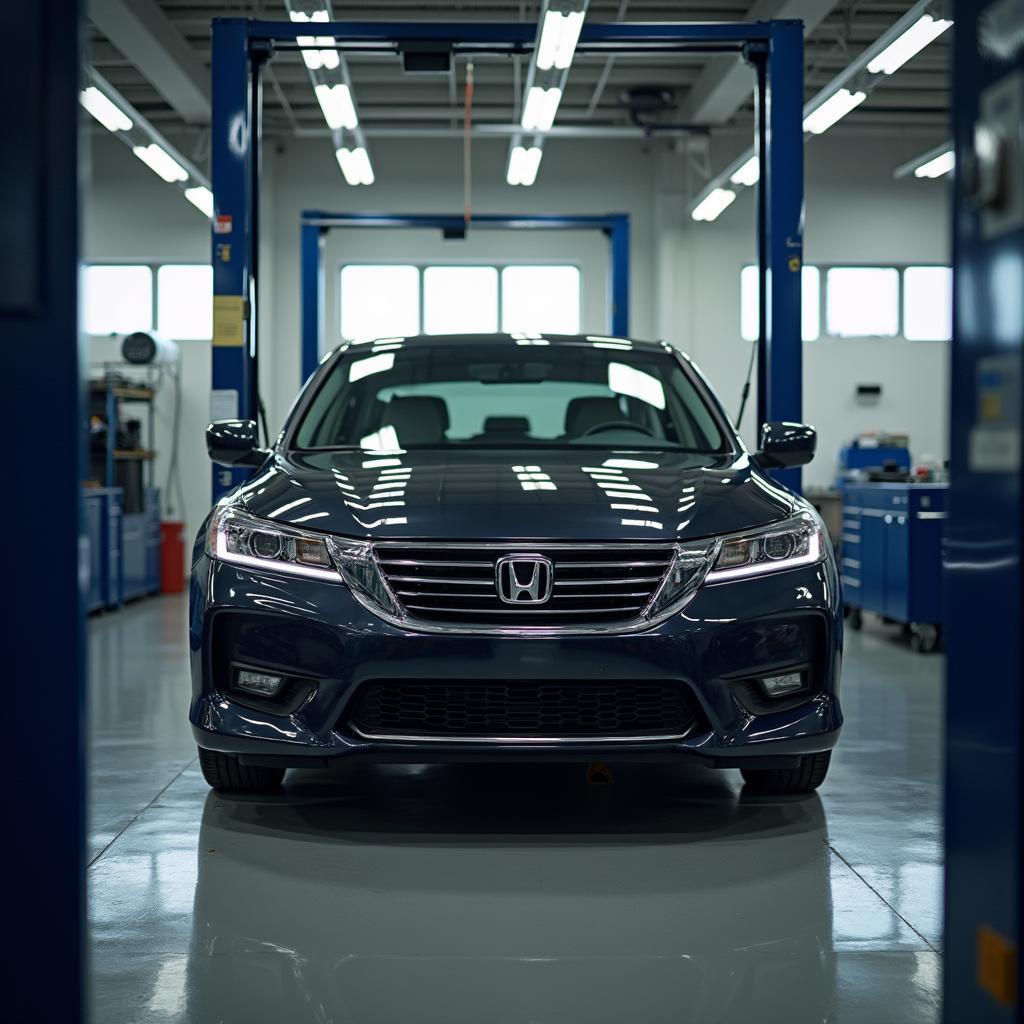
x=553, y=494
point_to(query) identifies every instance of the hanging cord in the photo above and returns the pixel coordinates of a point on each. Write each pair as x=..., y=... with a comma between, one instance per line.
x=467, y=148
x=746, y=384
x=262, y=409
x=173, y=469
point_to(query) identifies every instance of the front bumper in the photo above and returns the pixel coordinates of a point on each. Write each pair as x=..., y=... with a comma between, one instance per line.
x=319, y=634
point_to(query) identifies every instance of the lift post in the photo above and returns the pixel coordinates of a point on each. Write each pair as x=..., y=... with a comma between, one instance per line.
x=241, y=46
x=315, y=223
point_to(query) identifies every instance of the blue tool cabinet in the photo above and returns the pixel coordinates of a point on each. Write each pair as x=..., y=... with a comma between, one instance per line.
x=104, y=524
x=891, y=555
x=141, y=548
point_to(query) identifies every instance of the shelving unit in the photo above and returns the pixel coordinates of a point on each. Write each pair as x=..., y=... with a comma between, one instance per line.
x=123, y=513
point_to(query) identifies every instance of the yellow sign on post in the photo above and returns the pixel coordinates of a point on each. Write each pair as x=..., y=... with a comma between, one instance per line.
x=228, y=320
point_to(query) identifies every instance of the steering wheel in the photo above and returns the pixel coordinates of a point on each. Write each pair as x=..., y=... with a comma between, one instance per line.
x=600, y=428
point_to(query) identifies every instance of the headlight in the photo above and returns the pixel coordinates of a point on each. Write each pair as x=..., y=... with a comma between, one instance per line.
x=795, y=541
x=243, y=539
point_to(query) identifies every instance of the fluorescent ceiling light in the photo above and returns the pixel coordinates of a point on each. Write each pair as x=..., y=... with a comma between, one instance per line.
x=336, y=103
x=313, y=58
x=201, y=198
x=523, y=165
x=540, y=108
x=558, y=39
x=748, y=173
x=937, y=166
x=157, y=160
x=836, y=107
x=109, y=114
x=355, y=165
x=713, y=204
x=915, y=39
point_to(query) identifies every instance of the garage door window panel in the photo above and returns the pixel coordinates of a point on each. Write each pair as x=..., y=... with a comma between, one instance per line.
x=118, y=299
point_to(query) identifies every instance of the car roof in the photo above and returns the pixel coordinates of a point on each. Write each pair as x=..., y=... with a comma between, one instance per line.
x=524, y=338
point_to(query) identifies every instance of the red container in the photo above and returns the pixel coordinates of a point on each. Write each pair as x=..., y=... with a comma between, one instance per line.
x=172, y=558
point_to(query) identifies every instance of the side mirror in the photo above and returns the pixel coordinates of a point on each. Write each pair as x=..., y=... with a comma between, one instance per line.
x=785, y=445
x=235, y=443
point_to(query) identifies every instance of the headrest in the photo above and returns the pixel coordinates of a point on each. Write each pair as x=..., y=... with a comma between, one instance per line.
x=506, y=425
x=417, y=419
x=583, y=413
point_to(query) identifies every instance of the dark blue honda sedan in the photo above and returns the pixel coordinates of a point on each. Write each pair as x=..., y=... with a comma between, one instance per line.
x=509, y=547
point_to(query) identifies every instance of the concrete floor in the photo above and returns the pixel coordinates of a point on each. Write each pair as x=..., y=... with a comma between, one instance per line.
x=477, y=894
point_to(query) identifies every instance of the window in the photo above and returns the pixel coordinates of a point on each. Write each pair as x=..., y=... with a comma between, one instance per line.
x=810, y=314
x=928, y=303
x=537, y=299
x=862, y=302
x=379, y=301
x=460, y=300
x=865, y=302
x=117, y=299
x=385, y=301
x=184, y=302
x=497, y=394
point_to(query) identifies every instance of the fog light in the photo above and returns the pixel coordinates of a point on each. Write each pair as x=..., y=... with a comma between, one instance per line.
x=779, y=686
x=262, y=683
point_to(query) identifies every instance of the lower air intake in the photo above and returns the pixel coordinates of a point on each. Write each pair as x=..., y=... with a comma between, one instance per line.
x=527, y=710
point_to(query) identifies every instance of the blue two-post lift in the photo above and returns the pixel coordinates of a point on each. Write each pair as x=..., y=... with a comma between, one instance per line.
x=242, y=47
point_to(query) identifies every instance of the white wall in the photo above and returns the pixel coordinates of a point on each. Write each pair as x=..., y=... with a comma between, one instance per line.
x=685, y=276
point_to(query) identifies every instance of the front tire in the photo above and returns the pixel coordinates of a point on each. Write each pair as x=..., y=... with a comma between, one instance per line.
x=807, y=776
x=226, y=774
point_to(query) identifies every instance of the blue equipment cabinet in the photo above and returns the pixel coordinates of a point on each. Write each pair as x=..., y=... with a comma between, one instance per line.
x=92, y=513
x=891, y=555
x=140, y=550
x=854, y=458
x=102, y=510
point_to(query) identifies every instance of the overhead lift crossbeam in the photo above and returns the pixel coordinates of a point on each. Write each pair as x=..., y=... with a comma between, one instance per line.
x=242, y=46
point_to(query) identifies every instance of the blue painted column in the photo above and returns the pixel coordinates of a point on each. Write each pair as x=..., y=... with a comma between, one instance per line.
x=231, y=137
x=983, y=981
x=784, y=222
x=312, y=297
x=41, y=366
x=619, y=274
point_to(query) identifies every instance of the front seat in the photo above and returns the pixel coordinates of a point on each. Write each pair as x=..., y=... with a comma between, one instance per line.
x=583, y=413
x=417, y=419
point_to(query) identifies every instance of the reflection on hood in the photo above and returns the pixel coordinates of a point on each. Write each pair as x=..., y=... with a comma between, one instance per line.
x=557, y=493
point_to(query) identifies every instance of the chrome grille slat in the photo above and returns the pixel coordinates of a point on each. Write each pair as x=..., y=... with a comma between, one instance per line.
x=608, y=583
x=610, y=565
x=454, y=584
x=433, y=564
x=512, y=611
x=431, y=580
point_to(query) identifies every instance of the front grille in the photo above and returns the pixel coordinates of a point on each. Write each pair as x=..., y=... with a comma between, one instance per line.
x=527, y=709
x=592, y=584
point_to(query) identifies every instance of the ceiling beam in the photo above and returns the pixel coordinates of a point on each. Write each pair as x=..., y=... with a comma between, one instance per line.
x=145, y=35
x=726, y=83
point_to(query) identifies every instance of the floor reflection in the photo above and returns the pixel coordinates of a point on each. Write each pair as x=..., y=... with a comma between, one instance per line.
x=489, y=893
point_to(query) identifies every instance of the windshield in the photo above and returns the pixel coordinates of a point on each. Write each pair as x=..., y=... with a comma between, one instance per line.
x=388, y=396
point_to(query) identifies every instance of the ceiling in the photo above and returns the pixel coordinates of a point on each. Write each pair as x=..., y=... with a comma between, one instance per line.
x=392, y=103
